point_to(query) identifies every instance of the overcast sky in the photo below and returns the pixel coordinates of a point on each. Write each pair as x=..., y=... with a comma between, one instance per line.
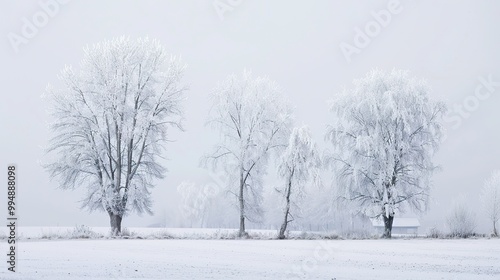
x=296, y=43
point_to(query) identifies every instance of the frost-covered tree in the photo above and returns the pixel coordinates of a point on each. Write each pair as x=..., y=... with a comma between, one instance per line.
x=490, y=199
x=461, y=220
x=253, y=120
x=385, y=135
x=110, y=124
x=298, y=165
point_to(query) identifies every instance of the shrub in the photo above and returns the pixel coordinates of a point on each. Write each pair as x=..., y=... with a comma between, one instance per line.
x=434, y=233
x=82, y=231
x=126, y=233
x=51, y=235
x=355, y=234
x=461, y=221
x=162, y=234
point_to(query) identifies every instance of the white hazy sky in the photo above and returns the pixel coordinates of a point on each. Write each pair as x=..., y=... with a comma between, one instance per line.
x=449, y=43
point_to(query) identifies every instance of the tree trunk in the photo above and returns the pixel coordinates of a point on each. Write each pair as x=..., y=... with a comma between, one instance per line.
x=116, y=224
x=281, y=235
x=495, y=233
x=388, y=226
x=241, y=232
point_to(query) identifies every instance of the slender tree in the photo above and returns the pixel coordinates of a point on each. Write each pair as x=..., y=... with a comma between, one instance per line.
x=110, y=124
x=386, y=132
x=253, y=121
x=299, y=165
x=490, y=199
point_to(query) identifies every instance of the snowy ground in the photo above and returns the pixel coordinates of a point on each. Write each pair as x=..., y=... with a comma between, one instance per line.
x=257, y=259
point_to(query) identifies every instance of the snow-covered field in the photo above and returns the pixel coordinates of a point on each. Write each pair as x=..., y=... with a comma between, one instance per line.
x=257, y=259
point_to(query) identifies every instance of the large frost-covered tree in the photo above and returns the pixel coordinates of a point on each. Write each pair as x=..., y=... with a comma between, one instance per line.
x=490, y=199
x=386, y=132
x=253, y=120
x=110, y=124
x=298, y=165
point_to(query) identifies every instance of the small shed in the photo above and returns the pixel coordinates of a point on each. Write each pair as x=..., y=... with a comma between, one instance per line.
x=400, y=226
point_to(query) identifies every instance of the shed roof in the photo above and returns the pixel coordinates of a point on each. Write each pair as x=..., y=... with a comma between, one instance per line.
x=398, y=222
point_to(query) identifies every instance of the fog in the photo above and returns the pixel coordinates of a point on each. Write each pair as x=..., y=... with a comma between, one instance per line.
x=452, y=44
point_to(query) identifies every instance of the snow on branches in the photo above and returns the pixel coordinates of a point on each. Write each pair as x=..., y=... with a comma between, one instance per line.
x=385, y=134
x=299, y=164
x=253, y=121
x=110, y=122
